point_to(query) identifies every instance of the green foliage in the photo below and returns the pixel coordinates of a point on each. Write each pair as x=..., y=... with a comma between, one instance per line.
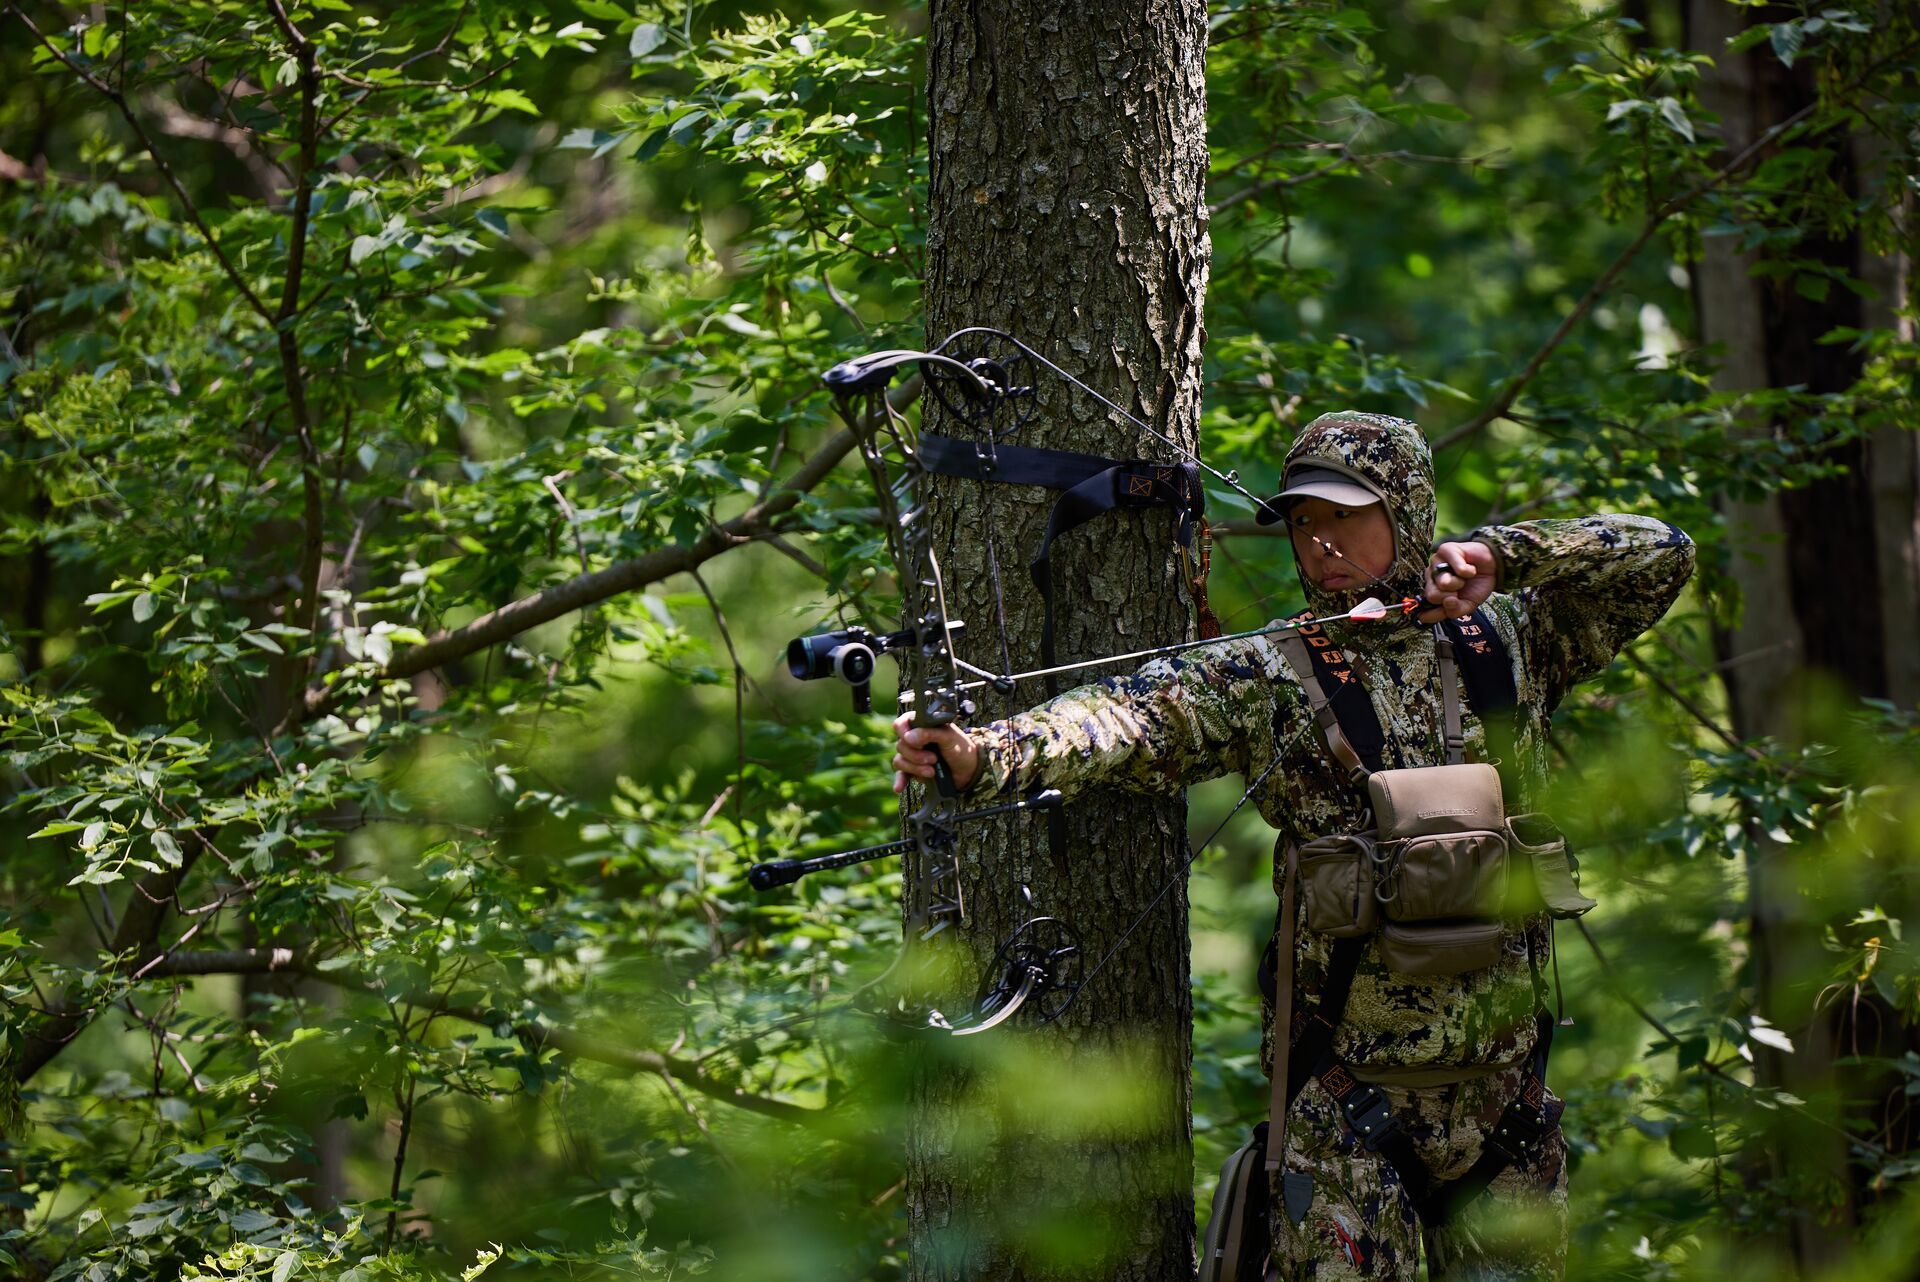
x=354, y=929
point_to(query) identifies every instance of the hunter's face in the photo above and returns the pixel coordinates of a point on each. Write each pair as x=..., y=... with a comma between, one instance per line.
x=1335, y=544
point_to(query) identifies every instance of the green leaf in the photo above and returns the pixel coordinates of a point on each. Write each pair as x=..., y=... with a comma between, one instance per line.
x=646, y=37
x=252, y=1221
x=284, y=1265
x=143, y=607
x=363, y=246
x=167, y=848
x=1788, y=39
x=1676, y=117
x=510, y=100
x=266, y=643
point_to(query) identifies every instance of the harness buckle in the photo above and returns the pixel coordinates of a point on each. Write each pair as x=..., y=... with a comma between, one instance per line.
x=1522, y=1125
x=1365, y=1105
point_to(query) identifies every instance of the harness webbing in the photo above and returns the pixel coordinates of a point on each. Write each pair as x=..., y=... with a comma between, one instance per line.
x=1340, y=702
x=1091, y=485
x=1345, y=711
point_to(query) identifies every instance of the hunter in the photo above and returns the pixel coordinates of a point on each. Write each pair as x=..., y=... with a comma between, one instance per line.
x=1415, y=1108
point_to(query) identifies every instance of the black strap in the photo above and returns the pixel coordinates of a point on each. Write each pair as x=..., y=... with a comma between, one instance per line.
x=1346, y=694
x=1313, y=1029
x=1487, y=670
x=1092, y=485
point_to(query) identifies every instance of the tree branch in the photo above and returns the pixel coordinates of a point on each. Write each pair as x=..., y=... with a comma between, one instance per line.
x=132, y=942
x=756, y=523
x=261, y=961
x=152, y=149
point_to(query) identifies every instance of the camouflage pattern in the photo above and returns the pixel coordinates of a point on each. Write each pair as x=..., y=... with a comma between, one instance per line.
x=1571, y=594
x=1361, y=1223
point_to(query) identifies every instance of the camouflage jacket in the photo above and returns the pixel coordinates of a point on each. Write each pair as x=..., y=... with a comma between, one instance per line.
x=1570, y=594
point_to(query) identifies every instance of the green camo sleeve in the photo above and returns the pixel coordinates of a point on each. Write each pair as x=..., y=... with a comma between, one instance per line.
x=1175, y=722
x=1588, y=586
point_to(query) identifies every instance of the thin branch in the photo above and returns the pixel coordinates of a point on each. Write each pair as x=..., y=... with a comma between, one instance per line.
x=1276, y=184
x=1598, y=290
x=153, y=151
x=566, y=509
x=1693, y=709
x=796, y=554
x=312, y=483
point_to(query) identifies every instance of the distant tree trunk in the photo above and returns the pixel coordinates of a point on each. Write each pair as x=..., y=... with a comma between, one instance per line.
x=1827, y=579
x=1068, y=170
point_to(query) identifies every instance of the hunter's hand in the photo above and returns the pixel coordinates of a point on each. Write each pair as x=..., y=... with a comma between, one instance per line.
x=914, y=753
x=1459, y=580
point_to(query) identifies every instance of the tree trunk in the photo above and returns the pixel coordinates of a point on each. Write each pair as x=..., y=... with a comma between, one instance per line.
x=1827, y=583
x=1068, y=168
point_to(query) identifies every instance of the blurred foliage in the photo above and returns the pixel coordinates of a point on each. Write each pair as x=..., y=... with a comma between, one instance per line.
x=333, y=328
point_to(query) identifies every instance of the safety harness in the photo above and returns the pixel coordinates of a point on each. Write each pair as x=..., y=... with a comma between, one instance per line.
x=1090, y=485
x=1345, y=712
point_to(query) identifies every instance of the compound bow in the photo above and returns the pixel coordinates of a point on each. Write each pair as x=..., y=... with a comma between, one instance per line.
x=1037, y=969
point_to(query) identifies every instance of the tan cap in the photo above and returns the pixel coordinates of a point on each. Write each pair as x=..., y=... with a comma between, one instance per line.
x=1317, y=483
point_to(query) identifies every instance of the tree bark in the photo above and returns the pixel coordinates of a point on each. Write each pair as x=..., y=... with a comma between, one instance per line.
x=1826, y=576
x=1068, y=166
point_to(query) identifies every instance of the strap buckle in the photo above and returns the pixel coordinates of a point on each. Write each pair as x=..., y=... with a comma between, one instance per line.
x=1523, y=1123
x=1365, y=1105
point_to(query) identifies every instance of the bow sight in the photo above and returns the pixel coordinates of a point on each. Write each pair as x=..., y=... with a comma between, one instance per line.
x=852, y=653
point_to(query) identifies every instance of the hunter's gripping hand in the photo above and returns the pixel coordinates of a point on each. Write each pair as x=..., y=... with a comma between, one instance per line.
x=915, y=752
x=1460, y=577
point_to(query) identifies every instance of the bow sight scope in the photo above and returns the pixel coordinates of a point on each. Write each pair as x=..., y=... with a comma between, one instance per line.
x=849, y=655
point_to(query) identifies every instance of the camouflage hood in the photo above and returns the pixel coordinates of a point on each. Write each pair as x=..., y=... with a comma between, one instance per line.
x=1390, y=457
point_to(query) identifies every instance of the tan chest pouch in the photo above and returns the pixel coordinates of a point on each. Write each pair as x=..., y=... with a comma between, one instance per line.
x=1443, y=873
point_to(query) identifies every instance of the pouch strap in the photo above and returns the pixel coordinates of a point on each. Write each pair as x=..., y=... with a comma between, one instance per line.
x=1279, y=1094
x=1449, y=698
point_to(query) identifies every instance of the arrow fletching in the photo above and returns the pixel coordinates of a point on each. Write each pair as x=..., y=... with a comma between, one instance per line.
x=1372, y=610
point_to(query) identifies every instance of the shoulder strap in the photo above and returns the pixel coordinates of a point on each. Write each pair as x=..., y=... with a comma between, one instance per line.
x=1487, y=668
x=1454, y=736
x=1340, y=702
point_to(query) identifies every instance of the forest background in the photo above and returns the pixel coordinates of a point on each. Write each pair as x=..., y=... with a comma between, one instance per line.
x=415, y=464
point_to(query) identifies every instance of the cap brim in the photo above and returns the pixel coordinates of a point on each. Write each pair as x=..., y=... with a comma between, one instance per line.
x=1344, y=493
